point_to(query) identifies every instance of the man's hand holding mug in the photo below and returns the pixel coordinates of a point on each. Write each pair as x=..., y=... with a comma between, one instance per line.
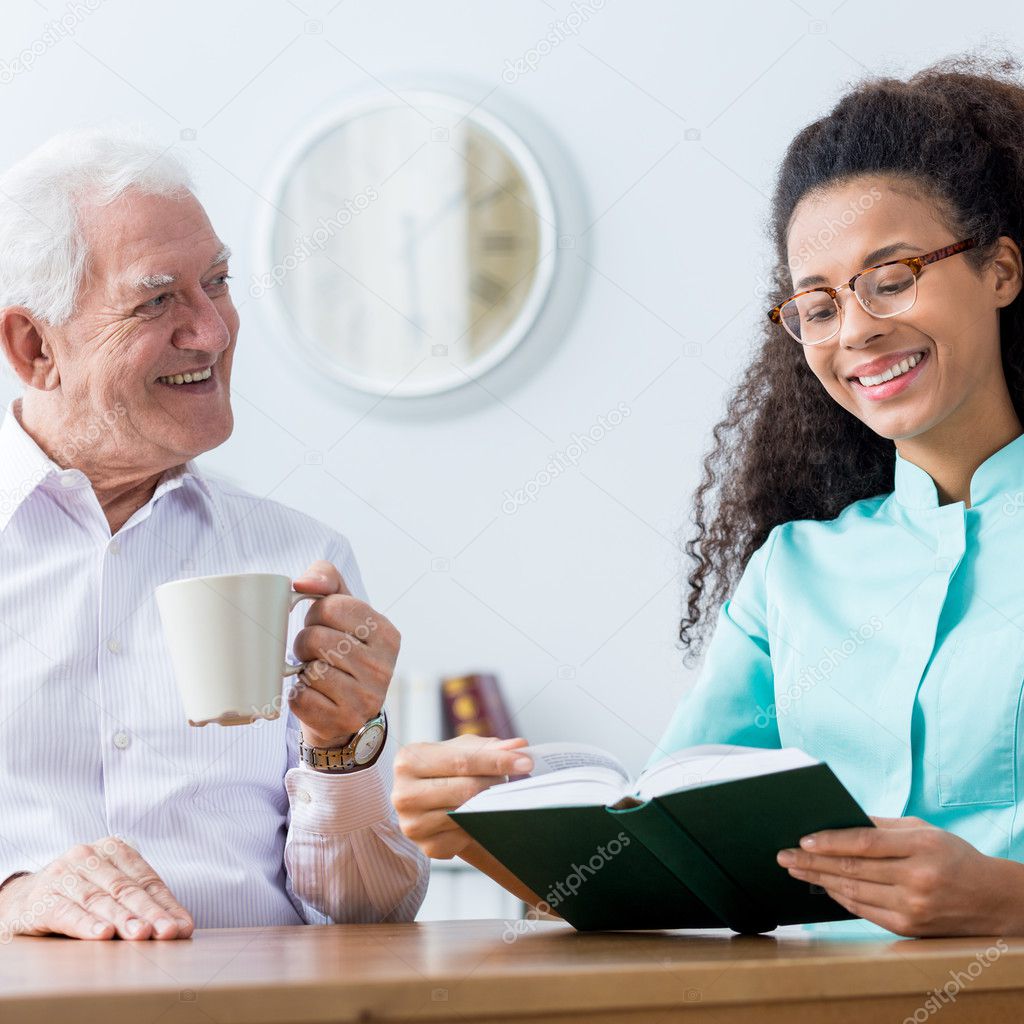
x=350, y=652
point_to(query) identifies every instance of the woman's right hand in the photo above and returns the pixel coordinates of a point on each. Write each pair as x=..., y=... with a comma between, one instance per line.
x=434, y=778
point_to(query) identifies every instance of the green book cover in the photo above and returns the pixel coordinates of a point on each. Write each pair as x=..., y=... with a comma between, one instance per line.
x=699, y=857
x=588, y=868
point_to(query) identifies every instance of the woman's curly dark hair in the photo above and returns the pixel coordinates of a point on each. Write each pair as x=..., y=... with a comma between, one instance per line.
x=953, y=133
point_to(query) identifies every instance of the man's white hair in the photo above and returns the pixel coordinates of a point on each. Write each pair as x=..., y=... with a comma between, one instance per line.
x=43, y=256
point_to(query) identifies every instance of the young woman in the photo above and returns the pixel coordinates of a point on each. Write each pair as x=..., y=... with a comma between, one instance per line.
x=857, y=527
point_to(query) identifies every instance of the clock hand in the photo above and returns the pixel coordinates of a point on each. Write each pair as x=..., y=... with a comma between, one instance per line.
x=454, y=200
x=412, y=274
x=500, y=189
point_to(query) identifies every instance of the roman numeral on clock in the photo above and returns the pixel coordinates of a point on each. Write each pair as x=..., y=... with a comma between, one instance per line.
x=487, y=289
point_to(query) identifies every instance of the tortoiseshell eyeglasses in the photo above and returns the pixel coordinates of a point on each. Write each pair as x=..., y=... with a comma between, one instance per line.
x=815, y=315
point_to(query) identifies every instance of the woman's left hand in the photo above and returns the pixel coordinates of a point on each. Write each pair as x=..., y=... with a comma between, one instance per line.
x=910, y=877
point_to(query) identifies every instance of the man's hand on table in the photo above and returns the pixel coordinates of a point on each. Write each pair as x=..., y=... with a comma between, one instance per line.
x=432, y=779
x=102, y=890
x=350, y=652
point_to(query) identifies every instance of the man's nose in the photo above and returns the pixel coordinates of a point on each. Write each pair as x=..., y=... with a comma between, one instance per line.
x=205, y=330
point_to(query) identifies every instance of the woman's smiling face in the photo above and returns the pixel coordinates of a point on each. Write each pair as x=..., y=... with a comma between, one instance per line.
x=952, y=329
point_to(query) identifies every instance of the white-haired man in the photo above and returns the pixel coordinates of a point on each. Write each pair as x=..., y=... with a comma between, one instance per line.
x=116, y=817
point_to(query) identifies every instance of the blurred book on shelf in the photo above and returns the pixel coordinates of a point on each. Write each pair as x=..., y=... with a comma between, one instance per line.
x=474, y=705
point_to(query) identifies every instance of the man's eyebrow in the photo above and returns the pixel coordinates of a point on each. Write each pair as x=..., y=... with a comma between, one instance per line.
x=151, y=281
x=223, y=255
x=877, y=256
x=148, y=282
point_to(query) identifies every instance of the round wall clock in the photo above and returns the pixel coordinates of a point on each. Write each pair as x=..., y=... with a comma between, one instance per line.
x=411, y=243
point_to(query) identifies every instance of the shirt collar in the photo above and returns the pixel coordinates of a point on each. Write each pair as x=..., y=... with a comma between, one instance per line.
x=1002, y=473
x=24, y=467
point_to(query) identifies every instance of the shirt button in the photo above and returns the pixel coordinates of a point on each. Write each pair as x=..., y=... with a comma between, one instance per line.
x=304, y=796
x=114, y=546
x=113, y=646
x=122, y=740
x=67, y=480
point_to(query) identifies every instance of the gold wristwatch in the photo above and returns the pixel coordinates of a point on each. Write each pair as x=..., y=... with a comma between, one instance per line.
x=360, y=752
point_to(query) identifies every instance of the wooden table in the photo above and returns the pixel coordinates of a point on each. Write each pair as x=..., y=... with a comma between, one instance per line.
x=483, y=971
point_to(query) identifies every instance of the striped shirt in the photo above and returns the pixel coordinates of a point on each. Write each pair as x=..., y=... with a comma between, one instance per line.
x=93, y=736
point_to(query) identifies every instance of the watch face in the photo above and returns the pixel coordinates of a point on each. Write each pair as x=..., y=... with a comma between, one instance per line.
x=369, y=743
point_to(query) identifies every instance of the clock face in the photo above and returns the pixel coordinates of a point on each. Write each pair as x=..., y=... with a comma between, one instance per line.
x=413, y=245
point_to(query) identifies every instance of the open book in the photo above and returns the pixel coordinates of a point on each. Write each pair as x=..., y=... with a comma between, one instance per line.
x=690, y=843
x=574, y=774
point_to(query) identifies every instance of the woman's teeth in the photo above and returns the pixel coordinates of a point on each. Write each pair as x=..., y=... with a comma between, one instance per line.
x=186, y=378
x=893, y=371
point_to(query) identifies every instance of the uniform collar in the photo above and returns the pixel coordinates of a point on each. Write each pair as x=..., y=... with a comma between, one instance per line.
x=25, y=467
x=1002, y=473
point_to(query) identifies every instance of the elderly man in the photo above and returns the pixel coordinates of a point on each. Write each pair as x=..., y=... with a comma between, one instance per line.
x=116, y=817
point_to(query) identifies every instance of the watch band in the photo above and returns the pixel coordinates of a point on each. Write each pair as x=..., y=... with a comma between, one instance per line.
x=340, y=760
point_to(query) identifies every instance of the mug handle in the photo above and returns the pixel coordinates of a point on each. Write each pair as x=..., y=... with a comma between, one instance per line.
x=296, y=597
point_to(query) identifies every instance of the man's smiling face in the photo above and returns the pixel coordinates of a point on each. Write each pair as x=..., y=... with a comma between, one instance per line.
x=952, y=329
x=154, y=304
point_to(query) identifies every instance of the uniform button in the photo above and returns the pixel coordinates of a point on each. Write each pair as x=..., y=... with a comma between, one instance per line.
x=114, y=546
x=113, y=646
x=122, y=740
x=304, y=796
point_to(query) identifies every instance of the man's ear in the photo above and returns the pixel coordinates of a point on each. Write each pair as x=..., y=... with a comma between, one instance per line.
x=27, y=349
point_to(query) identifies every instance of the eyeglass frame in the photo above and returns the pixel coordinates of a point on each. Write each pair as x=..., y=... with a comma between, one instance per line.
x=916, y=264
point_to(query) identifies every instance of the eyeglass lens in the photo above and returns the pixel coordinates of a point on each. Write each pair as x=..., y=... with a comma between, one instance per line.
x=885, y=291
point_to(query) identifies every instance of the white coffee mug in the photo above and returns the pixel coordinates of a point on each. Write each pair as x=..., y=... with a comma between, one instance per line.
x=226, y=636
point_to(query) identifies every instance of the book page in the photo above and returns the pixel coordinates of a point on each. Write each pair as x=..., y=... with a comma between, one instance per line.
x=710, y=763
x=568, y=787
x=578, y=775
x=564, y=775
x=555, y=757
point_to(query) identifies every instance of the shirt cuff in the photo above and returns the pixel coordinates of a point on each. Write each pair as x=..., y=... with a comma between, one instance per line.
x=332, y=804
x=11, y=878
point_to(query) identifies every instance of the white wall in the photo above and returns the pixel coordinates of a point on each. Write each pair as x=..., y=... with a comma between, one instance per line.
x=573, y=599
